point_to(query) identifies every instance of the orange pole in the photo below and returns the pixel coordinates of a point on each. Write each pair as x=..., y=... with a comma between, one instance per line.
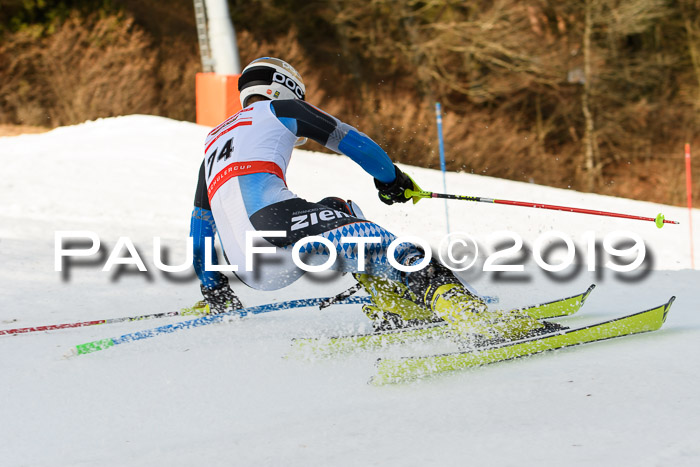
x=689, y=193
x=217, y=97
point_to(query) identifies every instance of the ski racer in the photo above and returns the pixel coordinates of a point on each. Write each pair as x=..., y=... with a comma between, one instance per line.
x=242, y=188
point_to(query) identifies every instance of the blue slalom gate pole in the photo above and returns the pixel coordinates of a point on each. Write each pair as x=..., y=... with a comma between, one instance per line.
x=438, y=116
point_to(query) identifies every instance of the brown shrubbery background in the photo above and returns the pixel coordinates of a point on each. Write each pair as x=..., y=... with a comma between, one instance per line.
x=596, y=95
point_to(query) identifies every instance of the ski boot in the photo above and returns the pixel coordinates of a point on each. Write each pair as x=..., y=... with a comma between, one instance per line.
x=393, y=305
x=220, y=299
x=472, y=322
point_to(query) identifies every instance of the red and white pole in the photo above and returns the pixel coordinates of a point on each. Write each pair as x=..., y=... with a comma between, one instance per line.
x=689, y=194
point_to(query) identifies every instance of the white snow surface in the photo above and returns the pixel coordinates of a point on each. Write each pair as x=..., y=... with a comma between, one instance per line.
x=224, y=395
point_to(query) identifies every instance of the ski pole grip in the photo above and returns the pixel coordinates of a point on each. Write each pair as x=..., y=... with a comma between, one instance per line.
x=417, y=195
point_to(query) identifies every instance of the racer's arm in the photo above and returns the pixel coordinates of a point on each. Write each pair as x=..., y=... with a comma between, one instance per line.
x=306, y=121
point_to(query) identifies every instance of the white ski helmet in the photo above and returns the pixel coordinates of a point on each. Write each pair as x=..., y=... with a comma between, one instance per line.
x=271, y=78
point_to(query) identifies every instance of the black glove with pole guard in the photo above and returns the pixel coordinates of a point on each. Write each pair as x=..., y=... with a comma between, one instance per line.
x=221, y=298
x=395, y=192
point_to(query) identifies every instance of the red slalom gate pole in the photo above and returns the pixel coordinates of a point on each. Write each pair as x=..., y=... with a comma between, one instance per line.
x=659, y=220
x=689, y=194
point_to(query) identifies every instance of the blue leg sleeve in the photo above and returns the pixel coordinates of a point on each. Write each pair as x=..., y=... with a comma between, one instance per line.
x=202, y=226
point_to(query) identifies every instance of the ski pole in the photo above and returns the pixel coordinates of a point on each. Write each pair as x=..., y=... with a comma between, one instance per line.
x=196, y=310
x=102, y=344
x=189, y=311
x=53, y=327
x=659, y=220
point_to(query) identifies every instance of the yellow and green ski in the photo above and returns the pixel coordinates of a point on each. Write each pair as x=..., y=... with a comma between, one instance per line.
x=411, y=368
x=307, y=347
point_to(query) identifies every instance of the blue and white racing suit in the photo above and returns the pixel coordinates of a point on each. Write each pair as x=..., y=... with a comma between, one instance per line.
x=242, y=188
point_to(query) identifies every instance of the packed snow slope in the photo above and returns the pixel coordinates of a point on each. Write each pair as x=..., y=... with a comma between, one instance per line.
x=224, y=395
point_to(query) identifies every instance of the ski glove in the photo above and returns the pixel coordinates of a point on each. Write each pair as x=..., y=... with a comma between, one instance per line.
x=395, y=192
x=221, y=298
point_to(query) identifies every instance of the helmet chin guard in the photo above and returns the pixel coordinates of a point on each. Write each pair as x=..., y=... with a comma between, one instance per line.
x=271, y=78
